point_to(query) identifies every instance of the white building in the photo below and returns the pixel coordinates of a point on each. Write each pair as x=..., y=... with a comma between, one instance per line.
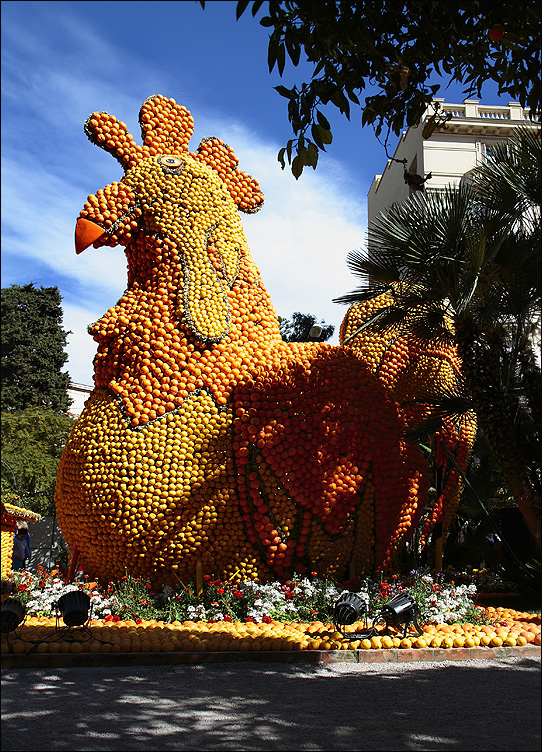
x=78, y=393
x=453, y=148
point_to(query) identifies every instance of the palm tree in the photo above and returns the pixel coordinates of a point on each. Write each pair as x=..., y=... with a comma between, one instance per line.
x=471, y=255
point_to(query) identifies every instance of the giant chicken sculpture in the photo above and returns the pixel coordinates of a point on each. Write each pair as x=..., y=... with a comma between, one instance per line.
x=208, y=441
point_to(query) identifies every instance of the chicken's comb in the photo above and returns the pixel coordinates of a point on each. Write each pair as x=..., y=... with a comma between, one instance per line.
x=166, y=128
x=244, y=189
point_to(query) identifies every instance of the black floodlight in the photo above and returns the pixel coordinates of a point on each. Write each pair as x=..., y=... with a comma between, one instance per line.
x=402, y=609
x=74, y=607
x=349, y=608
x=12, y=615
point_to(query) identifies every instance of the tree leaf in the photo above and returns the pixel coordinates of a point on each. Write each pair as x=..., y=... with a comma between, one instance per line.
x=240, y=9
x=281, y=58
x=315, y=130
x=272, y=50
x=256, y=5
x=324, y=134
x=294, y=51
x=285, y=92
x=322, y=120
x=312, y=155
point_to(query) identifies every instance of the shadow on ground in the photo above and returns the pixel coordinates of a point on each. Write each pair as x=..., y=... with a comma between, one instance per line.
x=274, y=707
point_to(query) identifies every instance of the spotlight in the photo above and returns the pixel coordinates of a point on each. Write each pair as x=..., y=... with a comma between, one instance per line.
x=349, y=608
x=402, y=609
x=12, y=615
x=74, y=607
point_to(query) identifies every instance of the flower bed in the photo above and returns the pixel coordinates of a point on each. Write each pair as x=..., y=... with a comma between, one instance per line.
x=303, y=599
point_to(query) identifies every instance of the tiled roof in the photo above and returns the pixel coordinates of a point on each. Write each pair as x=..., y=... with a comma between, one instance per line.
x=19, y=512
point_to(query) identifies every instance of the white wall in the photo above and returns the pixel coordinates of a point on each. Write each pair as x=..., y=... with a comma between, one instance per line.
x=78, y=393
x=448, y=153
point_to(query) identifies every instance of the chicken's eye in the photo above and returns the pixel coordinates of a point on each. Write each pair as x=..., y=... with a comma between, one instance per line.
x=170, y=162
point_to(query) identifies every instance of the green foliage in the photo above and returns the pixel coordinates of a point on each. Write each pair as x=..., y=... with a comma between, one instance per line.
x=32, y=442
x=394, y=48
x=134, y=597
x=297, y=329
x=33, y=343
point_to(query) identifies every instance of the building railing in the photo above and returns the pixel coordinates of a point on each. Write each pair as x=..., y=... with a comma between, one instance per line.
x=471, y=109
x=495, y=114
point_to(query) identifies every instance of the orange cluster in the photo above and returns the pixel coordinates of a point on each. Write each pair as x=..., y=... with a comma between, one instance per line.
x=208, y=441
x=244, y=190
x=414, y=372
x=39, y=635
x=115, y=210
x=164, y=122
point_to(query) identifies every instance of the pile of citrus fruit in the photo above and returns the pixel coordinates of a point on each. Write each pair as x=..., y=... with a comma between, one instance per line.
x=510, y=628
x=209, y=444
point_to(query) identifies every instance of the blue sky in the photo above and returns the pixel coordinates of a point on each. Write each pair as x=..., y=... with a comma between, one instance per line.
x=63, y=60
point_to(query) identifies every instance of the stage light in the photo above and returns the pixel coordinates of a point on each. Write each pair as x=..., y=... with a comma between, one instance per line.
x=349, y=608
x=74, y=607
x=402, y=609
x=12, y=614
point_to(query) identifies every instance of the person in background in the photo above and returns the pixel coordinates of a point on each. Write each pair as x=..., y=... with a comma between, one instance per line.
x=21, y=549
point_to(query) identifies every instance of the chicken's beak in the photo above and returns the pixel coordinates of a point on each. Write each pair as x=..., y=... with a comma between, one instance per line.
x=86, y=233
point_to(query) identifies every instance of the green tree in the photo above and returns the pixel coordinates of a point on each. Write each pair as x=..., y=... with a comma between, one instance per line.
x=33, y=343
x=472, y=256
x=297, y=329
x=394, y=47
x=32, y=442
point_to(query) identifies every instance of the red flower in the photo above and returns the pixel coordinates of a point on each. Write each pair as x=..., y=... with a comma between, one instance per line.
x=206, y=576
x=138, y=620
x=227, y=618
x=314, y=574
x=313, y=610
x=267, y=619
x=22, y=586
x=220, y=590
x=109, y=617
x=238, y=594
x=249, y=619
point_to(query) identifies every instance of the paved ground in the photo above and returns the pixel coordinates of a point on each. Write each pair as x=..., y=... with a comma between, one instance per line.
x=469, y=705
